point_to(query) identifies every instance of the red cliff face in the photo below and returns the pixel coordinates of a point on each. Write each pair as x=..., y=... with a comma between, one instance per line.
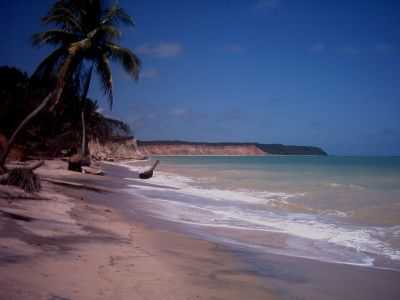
x=129, y=148
x=199, y=149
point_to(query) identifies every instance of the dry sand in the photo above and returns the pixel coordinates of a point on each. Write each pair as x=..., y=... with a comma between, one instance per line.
x=65, y=243
x=69, y=243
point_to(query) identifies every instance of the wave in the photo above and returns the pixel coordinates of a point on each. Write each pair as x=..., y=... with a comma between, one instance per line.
x=240, y=209
x=188, y=186
x=343, y=185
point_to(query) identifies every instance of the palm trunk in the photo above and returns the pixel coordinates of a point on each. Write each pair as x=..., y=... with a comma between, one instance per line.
x=62, y=79
x=57, y=95
x=83, y=100
x=21, y=126
x=83, y=133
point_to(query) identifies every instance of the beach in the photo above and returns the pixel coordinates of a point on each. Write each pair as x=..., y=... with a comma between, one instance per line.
x=76, y=243
x=97, y=240
x=334, y=209
x=242, y=150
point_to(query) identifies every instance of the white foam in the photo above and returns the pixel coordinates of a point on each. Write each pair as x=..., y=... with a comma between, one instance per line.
x=341, y=185
x=186, y=186
x=335, y=212
x=361, y=239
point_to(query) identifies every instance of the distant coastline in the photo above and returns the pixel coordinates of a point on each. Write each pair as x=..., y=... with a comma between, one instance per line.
x=185, y=148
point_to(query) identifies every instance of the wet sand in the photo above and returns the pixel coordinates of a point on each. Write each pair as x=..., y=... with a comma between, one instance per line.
x=289, y=277
x=86, y=244
x=75, y=243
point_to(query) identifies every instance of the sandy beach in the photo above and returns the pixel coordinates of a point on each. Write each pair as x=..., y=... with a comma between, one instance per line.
x=93, y=240
x=199, y=150
x=69, y=243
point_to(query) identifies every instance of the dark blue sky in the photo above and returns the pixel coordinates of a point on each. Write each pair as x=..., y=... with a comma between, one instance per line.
x=317, y=72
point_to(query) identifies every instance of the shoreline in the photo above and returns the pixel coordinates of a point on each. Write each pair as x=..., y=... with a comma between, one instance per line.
x=79, y=244
x=294, y=277
x=311, y=267
x=106, y=246
x=199, y=204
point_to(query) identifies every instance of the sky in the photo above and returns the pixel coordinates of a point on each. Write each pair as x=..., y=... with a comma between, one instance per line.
x=324, y=73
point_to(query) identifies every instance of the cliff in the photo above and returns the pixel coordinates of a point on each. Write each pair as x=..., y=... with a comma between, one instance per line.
x=149, y=148
x=188, y=148
x=291, y=149
x=121, y=148
x=118, y=148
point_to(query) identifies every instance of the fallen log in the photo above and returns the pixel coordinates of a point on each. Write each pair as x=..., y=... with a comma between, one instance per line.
x=92, y=171
x=149, y=173
x=75, y=163
x=77, y=185
x=35, y=165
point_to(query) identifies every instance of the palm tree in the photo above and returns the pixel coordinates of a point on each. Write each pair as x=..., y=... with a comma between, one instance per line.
x=86, y=33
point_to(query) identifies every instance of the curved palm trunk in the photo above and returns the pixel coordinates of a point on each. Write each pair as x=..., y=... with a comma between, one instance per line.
x=83, y=99
x=22, y=125
x=62, y=79
x=54, y=95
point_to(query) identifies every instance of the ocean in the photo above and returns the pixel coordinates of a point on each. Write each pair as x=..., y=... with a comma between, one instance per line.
x=339, y=209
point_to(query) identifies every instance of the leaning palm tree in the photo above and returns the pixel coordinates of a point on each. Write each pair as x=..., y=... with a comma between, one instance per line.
x=86, y=33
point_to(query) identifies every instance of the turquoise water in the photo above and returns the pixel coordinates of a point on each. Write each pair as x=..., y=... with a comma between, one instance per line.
x=380, y=173
x=343, y=209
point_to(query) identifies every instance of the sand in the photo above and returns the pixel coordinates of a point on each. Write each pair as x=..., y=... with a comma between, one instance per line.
x=95, y=242
x=70, y=243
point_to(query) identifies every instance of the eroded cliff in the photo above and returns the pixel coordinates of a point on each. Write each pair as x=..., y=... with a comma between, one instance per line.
x=198, y=149
x=149, y=148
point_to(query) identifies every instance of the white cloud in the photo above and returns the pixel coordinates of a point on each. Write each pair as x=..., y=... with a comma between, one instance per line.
x=161, y=50
x=149, y=73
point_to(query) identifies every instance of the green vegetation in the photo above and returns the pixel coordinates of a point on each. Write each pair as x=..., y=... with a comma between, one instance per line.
x=85, y=35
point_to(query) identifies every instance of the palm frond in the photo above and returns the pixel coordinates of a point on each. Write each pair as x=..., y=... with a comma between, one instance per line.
x=117, y=15
x=87, y=31
x=129, y=61
x=103, y=69
x=80, y=45
x=104, y=33
x=64, y=17
x=50, y=64
x=110, y=33
x=54, y=37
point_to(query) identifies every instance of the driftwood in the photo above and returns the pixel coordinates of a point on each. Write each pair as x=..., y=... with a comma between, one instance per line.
x=77, y=185
x=77, y=161
x=92, y=171
x=34, y=166
x=149, y=173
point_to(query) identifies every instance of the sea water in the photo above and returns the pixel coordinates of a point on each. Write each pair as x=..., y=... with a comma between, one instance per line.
x=331, y=208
